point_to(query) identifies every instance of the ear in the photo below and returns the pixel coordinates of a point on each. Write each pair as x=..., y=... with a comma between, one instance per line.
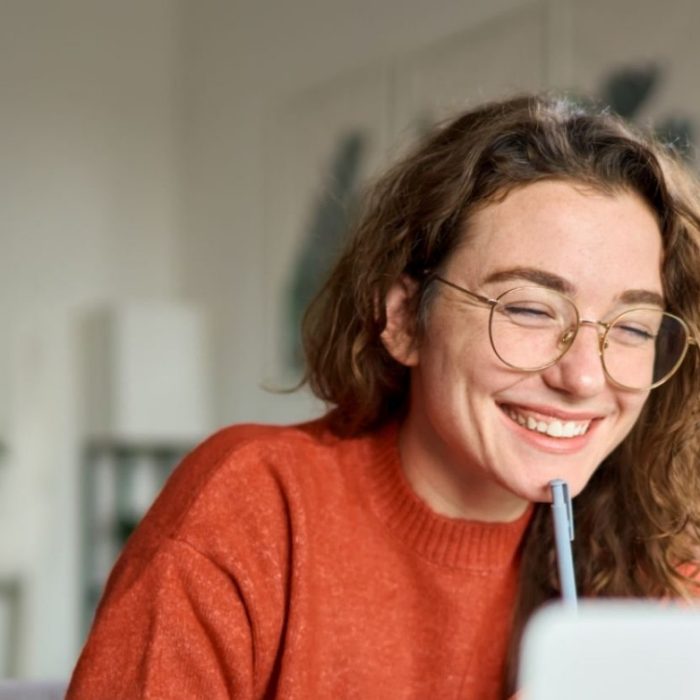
x=399, y=334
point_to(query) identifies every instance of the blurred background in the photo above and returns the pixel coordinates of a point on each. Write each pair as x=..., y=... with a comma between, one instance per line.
x=175, y=177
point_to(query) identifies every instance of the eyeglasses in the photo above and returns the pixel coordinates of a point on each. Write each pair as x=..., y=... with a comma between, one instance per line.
x=532, y=328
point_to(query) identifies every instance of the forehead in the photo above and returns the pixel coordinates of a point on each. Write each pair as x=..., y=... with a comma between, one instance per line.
x=611, y=242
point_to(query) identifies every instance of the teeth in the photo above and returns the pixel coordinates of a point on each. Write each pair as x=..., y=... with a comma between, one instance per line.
x=568, y=429
x=553, y=428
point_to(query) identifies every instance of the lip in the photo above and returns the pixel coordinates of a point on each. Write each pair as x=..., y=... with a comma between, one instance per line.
x=544, y=442
x=548, y=412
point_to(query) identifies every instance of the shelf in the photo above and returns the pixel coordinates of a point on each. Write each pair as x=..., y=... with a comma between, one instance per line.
x=120, y=480
x=10, y=604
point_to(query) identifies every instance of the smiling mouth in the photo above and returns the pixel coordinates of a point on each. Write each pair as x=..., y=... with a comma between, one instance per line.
x=554, y=427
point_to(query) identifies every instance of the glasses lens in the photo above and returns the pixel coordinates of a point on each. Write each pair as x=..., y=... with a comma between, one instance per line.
x=532, y=327
x=644, y=347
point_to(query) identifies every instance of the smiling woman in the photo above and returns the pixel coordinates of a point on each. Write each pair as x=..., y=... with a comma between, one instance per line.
x=518, y=304
x=459, y=427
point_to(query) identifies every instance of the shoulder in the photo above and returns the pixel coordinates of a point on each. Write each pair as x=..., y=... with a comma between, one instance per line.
x=690, y=575
x=251, y=441
x=250, y=478
x=247, y=497
x=252, y=454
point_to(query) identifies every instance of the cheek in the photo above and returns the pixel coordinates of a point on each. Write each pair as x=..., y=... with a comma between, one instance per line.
x=631, y=407
x=456, y=354
x=458, y=357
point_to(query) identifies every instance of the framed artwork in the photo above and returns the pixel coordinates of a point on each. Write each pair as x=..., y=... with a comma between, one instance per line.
x=505, y=54
x=321, y=148
x=323, y=145
x=645, y=71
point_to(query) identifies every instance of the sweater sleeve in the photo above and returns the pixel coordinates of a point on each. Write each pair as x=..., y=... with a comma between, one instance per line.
x=171, y=627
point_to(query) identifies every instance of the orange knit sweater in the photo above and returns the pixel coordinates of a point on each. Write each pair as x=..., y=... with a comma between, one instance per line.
x=288, y=563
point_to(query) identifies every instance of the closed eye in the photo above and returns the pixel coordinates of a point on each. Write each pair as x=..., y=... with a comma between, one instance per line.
x=632, y=335
x=527, y=313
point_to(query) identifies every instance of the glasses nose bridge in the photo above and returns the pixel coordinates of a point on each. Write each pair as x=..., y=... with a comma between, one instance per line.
x=600, y=327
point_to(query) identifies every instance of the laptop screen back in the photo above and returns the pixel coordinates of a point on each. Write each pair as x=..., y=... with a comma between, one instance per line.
x=610, y=650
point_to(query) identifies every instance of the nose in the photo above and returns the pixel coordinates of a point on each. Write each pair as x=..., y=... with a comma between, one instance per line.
x=580, y=371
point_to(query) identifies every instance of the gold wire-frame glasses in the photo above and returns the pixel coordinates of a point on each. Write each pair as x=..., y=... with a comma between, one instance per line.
x=533, y=323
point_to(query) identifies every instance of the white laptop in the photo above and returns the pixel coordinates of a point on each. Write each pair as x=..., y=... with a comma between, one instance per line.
x=612, y=650
x=32, y=690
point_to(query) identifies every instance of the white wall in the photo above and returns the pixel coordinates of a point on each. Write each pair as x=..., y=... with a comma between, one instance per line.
x=243, y=61
x=248, y=62
x=89, y=194
x=135, y=142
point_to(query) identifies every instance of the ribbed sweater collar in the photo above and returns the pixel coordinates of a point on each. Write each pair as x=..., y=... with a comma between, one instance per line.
x=450, y=542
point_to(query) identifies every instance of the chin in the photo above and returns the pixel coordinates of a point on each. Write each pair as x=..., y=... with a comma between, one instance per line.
x=538, y=490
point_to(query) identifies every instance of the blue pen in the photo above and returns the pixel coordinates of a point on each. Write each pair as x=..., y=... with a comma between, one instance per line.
x=563, y=516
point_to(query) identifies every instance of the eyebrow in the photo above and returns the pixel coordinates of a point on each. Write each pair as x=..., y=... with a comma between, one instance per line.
x=642, y=296
x=559, y=284
x=534, y=275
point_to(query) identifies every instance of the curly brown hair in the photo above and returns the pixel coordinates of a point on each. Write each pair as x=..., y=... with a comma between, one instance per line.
x=638, y=519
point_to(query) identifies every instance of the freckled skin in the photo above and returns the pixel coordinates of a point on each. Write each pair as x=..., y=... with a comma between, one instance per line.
x=461, y=451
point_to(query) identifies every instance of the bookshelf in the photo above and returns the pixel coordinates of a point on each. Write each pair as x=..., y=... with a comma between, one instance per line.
x=121, y=478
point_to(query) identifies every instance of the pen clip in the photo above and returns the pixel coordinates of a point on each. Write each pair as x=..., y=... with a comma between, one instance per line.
x=561, y=498
x=569, y=510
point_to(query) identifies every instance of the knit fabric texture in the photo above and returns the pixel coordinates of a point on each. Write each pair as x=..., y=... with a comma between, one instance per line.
x=285, y=562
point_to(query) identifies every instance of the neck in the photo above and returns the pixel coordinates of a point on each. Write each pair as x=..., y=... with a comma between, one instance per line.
x=452, y=489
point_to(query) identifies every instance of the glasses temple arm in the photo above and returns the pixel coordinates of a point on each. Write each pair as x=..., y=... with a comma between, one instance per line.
x=473, y=295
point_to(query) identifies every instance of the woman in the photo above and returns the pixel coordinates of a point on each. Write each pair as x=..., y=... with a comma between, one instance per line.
x=519, y=303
